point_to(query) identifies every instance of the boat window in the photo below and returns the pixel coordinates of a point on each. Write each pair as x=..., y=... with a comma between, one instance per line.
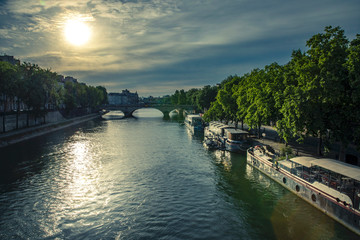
x=313, y=197
x=339, y=182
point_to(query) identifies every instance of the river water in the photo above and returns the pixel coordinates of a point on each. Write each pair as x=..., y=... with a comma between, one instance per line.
x=145, y=178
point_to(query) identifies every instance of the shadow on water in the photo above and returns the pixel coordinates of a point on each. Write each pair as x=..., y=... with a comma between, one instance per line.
x=175, y=117
x=271, y=211
x=198, y=136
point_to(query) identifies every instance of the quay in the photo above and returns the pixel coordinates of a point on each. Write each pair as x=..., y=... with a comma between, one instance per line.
x=16, y=136
x=308, y=148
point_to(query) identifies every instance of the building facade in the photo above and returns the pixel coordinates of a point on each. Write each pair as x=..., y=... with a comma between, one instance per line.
x=10, y=59
x=123, y=98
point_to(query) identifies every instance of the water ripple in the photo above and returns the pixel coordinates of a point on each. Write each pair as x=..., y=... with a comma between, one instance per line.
x=144, y=179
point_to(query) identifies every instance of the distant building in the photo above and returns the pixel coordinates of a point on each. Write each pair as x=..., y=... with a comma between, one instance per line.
x=148, y=100
x=10, y=59
x=60, y=78
x=126, y=97
x=156, y=100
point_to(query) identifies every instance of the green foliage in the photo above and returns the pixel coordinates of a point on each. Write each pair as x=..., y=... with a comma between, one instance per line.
x=316, y=96
x=206, y=96
x=286, y=151
x=175, y=98
x=8, y=78
x=103, y=97
x=215, y=112
x=201, y=98
x=9, y=82
x=316, y=93
x=182, y=97
x=226, y=97
x=191, y=96
x=40, y=90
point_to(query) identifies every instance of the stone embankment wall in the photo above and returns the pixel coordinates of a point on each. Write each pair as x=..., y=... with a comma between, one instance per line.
x=10, y=123
x=15, y=136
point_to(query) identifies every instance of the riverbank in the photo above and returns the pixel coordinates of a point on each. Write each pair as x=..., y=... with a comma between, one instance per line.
x=309, y=147
x=20, y=135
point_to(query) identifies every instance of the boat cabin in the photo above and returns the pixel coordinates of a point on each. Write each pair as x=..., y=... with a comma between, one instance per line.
x=334, y=174
x=301, y=167
x=194, y=120
x=235, y=134
x=217, y=128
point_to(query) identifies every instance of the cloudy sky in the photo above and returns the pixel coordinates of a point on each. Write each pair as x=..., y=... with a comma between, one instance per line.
x=157, y=46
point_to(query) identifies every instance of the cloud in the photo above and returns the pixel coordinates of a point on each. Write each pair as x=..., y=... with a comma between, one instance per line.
x=5, y=33
x=163, y=44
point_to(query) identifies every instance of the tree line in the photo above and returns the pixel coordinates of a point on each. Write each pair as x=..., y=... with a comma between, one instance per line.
x=40, y=91
x=317, y=93
x=201, y=98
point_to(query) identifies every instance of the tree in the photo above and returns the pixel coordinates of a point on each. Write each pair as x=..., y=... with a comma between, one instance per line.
x=191, y=96
x=291, y=102
x=353, y=67
x=38, y=85
x=81, y=95
x=214, y=113
x=175, y=98
x=8, y=77
x=19, y=91
x=316, y=100
x=182, y=97
x=70, y=96
x=206, y=95
x=327, y=84
x=103, y=97
x=227, y=96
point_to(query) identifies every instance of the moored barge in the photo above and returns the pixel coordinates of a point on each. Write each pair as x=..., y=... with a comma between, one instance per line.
x=329, y=185
x=226, y=137
x=194, y=123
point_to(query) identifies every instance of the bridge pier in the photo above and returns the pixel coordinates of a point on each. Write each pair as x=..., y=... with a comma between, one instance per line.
x=166, y=115
x=127, y=114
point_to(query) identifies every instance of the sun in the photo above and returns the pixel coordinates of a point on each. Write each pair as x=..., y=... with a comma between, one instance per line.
x=77, y=32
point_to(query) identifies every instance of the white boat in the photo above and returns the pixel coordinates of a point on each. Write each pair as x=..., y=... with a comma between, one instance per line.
x=194, y=122
x=209, y=143
x=227, y=137
x=327, y=184
x=235, y=140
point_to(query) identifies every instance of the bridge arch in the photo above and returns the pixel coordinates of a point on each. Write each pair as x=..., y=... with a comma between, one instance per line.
x=128, y=110
x=147, y=112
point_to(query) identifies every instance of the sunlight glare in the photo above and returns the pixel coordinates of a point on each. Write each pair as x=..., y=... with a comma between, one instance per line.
x=77, y=32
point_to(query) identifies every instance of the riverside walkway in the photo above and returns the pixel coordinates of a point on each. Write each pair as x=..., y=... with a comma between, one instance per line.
x=23, y=134
x=307, y=148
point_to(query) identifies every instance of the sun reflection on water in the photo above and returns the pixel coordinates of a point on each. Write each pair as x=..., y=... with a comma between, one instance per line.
x=224, y=157
x=78, y=183
x=82, y=172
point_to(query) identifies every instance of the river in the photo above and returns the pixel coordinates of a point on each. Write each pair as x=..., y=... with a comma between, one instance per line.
x=145, y=178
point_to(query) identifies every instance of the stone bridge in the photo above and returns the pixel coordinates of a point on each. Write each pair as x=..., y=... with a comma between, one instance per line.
x=129, y=109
